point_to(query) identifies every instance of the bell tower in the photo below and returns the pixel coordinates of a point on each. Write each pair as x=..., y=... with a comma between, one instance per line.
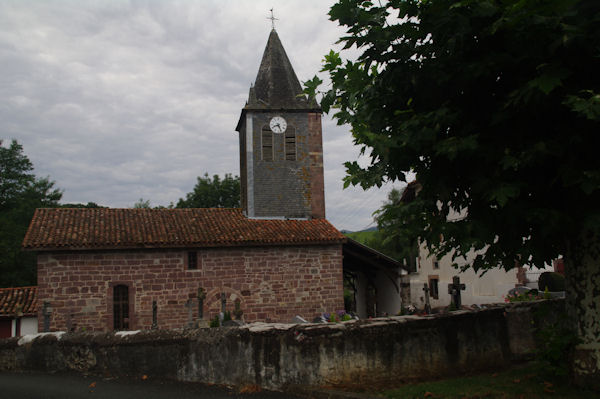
x=281, y=144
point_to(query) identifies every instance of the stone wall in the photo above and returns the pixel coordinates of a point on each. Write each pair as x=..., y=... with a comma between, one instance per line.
x=281, y=356
x=271, y=283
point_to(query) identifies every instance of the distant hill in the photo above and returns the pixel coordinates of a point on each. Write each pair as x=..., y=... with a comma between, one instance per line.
x=363, y=236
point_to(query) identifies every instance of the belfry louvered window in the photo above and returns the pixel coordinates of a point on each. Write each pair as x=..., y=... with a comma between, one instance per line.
x=290, y=144
x=267, y=144
x=121, y=307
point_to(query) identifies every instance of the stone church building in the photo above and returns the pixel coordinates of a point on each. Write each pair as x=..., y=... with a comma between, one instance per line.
x=276, y=257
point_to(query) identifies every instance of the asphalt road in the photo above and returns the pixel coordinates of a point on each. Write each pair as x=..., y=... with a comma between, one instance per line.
x=75, y=386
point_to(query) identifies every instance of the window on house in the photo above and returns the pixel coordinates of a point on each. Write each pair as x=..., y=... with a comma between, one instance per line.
x=436, y=264
x=267, y=144
x=192, y=260
x=434, y=287
x=121, y=307
x=290, y=144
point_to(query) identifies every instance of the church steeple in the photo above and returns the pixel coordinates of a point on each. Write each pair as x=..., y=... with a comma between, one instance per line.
x=281, y=150
x=277, y=85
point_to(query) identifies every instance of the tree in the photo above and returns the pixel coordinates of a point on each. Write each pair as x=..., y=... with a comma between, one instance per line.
x=20, y=194
x=495, y=106
x=142, y=204
x=402, y=247
x=213, y=193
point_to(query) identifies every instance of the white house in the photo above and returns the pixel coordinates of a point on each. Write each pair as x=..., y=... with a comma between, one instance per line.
x=18, y=315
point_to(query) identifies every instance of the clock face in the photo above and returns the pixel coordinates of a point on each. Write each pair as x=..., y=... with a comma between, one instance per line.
x=278, y=124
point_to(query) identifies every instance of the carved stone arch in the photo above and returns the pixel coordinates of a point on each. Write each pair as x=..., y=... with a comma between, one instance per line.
x=213, y=300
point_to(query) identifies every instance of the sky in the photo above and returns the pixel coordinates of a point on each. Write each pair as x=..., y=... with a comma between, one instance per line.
x=120, y=100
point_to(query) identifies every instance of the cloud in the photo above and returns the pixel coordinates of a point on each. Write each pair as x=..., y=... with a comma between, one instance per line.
x=120, y=100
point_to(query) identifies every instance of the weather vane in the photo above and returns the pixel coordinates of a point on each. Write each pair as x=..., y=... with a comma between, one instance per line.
x=273, y=19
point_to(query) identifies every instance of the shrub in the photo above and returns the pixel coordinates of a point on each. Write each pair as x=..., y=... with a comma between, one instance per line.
x=554, y=281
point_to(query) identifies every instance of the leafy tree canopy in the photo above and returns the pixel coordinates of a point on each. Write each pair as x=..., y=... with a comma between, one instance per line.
x=493, y=104
x=20, y=194
x=213, y=193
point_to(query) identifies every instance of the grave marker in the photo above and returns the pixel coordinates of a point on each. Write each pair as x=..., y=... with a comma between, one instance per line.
x=427, y=304
x=454, y=290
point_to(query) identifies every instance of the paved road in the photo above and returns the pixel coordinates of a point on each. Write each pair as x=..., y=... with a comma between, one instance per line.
x=74, y=386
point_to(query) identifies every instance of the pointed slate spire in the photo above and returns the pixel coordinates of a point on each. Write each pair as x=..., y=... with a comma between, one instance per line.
x=277, y=86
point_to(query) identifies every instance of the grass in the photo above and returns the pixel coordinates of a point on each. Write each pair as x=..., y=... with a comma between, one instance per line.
x=520, y=382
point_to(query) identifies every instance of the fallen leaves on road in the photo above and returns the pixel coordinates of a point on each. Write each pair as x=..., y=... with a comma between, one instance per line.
x=250, y=389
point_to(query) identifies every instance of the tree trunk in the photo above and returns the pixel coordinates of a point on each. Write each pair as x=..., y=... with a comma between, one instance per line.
x=582, y=269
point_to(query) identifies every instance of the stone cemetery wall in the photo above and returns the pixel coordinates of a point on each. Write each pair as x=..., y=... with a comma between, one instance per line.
x=269, y=283
x=280, y=356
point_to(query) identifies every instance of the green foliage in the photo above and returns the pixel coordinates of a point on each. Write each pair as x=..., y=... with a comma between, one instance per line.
x=226, y=315
x=555, y=342
x=385, y=239
x=21, y=192
x=142, y=204
x=88, y=205
x=551, y=281
x=493, y=105
x=214, y=322
x=213, y=193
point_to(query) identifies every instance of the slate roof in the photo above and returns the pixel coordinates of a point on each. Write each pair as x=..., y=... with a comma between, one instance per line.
x=105, y=228
x=19, y=299
x=277, y=86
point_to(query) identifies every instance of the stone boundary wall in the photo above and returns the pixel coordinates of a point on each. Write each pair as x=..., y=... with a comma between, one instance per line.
x=280, y=356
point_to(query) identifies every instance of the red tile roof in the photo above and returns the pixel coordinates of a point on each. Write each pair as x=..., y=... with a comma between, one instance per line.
x=104, y=228
x=18, y=300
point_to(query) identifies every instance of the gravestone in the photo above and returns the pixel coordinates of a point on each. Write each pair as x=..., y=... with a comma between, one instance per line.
x=154, y=315
x=189, y=306
x=46, y=311
x=299, y=320
x=427, y=304
x=454, y=290
x=201, y=297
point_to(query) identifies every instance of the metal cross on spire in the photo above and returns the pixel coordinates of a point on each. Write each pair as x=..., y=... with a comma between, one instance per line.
x=273, y=19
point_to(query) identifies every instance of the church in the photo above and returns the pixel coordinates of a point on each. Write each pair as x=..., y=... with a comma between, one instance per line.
x=273, y=259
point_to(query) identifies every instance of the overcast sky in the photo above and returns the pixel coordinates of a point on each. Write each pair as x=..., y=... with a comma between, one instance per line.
x=121, y=100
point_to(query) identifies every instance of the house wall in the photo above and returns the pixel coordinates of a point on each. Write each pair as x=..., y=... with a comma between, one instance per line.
x=29, y=325
x=271, y=283
x=489, y=288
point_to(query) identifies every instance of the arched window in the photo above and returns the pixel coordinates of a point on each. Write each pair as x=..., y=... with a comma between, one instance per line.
x=290, y=144
x=121, y=307
x=267, y=144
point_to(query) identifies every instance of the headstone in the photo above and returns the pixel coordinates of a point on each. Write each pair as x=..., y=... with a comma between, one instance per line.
x=454, y=290
x=427, y=304
x=46, y=311
x=201, y=297
x=189, y=304
x=154, y=315
x=238, y=312
x=299, y=320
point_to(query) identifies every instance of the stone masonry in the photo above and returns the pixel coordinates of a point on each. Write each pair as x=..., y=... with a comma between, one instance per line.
x=272, y=284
